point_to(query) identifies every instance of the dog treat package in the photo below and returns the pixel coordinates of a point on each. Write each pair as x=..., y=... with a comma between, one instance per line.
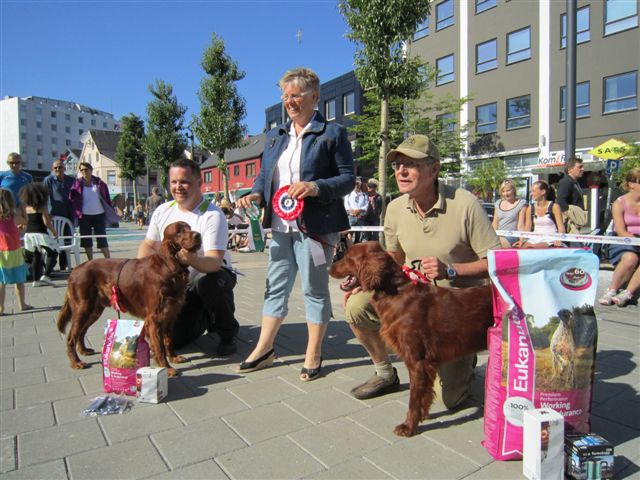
x=542, y=346
x=125, y=350
x=543, y=449
x=152, y=384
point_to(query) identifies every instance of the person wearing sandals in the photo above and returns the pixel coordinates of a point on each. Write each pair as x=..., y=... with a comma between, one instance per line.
x=506, y=215
x=626, y=258
x=314, y=159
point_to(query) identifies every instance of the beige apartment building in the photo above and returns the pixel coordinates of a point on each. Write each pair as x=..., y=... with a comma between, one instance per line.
x=509, y=57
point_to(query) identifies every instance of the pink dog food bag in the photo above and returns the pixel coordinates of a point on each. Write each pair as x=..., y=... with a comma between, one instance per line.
x=542, y=347
x=125, y=351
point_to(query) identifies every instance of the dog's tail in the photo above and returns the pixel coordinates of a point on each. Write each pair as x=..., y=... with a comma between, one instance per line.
x=65, y=315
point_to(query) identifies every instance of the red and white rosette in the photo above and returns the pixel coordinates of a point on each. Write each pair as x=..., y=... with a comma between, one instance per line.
x=286, y=207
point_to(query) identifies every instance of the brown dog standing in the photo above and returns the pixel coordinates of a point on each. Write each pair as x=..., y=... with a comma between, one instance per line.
x=425, y=325
x=151, y=288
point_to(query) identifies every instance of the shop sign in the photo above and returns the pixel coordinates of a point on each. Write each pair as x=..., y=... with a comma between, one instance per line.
x=556, y=159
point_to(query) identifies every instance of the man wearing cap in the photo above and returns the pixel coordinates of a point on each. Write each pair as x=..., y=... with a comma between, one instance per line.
x=15, y=178
x=372, y=217
x=59, y=185
x=447, y=230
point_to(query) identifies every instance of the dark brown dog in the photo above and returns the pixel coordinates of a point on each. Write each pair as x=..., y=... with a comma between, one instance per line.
x=424, y=324
x=151, y=288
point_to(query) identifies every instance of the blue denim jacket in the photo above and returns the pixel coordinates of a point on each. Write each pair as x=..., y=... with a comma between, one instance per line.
x=326, y=159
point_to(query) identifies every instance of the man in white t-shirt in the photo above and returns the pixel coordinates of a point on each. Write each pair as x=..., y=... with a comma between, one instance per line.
x=210, y=304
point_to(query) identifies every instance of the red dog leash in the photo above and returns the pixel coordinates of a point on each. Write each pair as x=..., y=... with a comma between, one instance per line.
x=115, y=293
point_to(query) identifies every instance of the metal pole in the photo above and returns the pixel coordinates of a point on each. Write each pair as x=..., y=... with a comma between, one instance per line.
x=570, y=89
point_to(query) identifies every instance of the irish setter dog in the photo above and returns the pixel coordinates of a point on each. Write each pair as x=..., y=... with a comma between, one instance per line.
x=151, y=288
x=424, y=324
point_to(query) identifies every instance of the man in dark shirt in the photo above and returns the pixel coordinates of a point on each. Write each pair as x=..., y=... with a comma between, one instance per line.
x=59, y=185
x=570, y=196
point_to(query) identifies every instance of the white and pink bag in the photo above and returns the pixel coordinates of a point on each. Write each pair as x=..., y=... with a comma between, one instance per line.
x=543, y=345
x=125, y=350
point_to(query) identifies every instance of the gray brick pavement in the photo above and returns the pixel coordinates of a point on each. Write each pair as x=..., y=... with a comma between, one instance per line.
x=217, y=424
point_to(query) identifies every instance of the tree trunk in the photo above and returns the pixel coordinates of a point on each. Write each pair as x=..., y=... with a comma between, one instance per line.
x=135, y=191
x=382, y=158
x=225, y=184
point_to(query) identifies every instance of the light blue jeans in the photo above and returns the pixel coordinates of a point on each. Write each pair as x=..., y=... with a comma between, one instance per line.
x=289, y=253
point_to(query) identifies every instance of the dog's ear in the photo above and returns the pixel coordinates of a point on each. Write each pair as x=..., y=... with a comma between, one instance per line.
x=374, y=272
x=169, y=243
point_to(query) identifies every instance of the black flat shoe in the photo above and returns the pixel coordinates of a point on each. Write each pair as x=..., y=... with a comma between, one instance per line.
x=311, y=373
x=265, y=361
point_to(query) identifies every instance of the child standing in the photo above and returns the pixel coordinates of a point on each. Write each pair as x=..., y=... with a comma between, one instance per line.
x=12, y=267
x=36, y=237
x=139, y=213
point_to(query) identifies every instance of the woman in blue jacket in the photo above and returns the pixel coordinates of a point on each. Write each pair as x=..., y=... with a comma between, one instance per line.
x=314, y=159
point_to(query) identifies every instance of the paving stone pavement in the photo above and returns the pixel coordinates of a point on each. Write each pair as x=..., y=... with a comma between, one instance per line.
x=216, y=424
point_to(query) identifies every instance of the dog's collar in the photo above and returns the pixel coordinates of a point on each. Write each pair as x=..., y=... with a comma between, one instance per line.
x=414, y=275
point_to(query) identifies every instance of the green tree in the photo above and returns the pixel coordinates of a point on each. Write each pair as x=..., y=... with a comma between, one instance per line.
x=380, y=28
x=165, y=141
x=219, y=126
x=129, y=152
x=487, y=177
x=630, y=160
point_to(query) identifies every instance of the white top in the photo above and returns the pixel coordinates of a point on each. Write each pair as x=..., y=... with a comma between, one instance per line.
x=91, y=204
x=288, y=172
x=356, y=201
x=211, y=223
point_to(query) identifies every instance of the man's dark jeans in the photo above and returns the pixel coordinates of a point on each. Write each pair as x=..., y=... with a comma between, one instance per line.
x=209, y=306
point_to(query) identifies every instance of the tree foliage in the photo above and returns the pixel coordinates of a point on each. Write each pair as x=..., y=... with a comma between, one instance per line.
x=219, y=126
x=130, y=152
x=486, y=178
x=379, y=28
x=630, y=160
x=165, y=141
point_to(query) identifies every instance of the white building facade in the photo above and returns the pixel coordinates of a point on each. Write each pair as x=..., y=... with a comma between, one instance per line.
x=41, y=129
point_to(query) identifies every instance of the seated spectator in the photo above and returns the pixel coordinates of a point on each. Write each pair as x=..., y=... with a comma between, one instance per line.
x=543, y=216
x=507, y=212
x=235, y=222
x=626, y=258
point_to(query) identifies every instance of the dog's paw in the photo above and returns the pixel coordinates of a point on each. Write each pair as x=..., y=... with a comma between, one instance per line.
x=172, y=372
x=178, y=359
x=403, y=430
x=79, y=365
x=87, y=351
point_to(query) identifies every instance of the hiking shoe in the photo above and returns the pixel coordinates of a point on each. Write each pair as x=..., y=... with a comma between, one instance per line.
x=607, y=298
x=622, y=298
x=227, y=347
x=377, y=386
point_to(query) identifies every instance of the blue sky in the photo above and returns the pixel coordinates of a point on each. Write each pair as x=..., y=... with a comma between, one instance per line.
x=105, y=53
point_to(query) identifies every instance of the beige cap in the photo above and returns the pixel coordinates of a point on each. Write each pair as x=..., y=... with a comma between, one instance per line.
x=415, y=146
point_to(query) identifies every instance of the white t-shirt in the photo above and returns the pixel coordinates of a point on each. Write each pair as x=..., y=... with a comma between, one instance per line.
x=206, y=218
x=91, y=204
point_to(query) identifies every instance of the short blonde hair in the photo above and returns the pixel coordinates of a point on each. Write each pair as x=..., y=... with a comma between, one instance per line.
x=508, y=183
x=632, y=176
x=303, y=77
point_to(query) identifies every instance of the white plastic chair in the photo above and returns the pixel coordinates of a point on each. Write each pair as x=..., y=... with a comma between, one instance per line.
x=59, y=224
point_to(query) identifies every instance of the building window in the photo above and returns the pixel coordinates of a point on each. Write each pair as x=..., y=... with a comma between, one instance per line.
x=582, y=101
x=519, y=45
x=67, y=142
x=38, y=110
x=487, y=56
x=207, y=177
x=487, y=118
x=67, y=129
x=250, y=170
x=80, y=131
x=111, y=177
x=38, y=124
x=273, y=125
x=38, y=138
x=422, y=30
x=444, y=66
x=53, y=114
x=93, y=122
x=54, y=140
x=519, y=112
x=446, y=122
x=54, y=154
x=330, y=109
x=54, y=127
x=39, y=152
x=23, y=136
x=582, y=27
x=444, y=14
x=104, y=125
x=23, y=122
x=620, y=15
x=349, y=103
x=67, y=117
x=236, y=170
x=621, y=92
x=80, y=119
x=482, y=5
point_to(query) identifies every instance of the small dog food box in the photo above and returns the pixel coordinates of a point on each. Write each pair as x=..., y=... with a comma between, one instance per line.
x=588, y=456
x=543, y=444
x=152, y=384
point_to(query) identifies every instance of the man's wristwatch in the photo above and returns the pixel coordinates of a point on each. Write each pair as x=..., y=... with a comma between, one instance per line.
x=451, y=272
